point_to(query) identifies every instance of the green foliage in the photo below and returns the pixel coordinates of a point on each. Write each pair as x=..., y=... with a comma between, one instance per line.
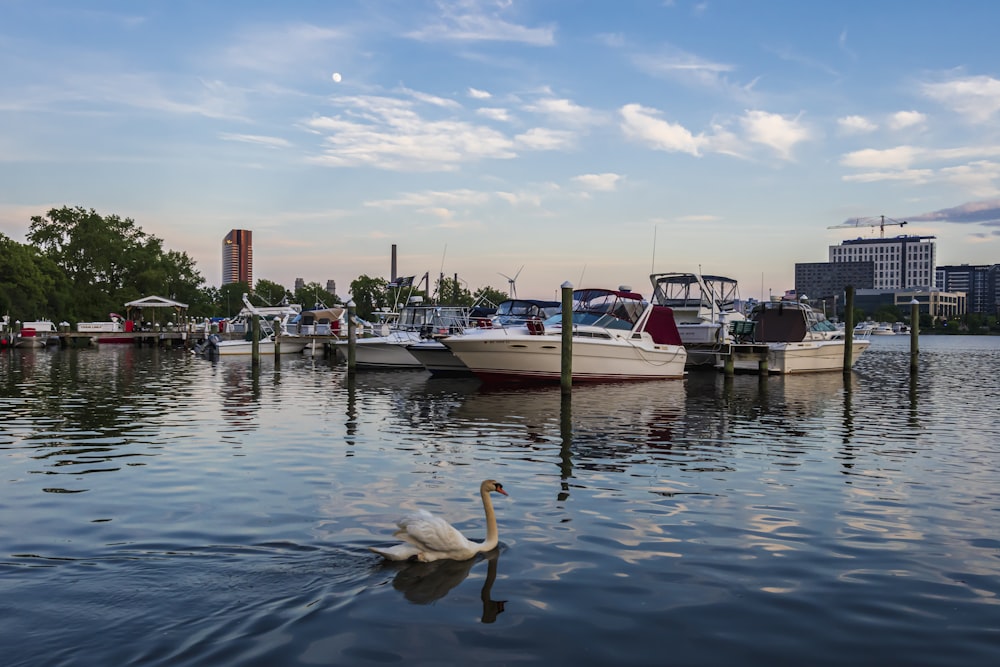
x=887, y=314
x=268, y=293
x=369, y=295
x=489, y=296
x=312, y=293
x=108, y=261
x=32, y=286
x=451, y=292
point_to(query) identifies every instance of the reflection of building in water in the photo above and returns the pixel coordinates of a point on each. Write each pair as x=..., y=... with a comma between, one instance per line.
x=240, y=395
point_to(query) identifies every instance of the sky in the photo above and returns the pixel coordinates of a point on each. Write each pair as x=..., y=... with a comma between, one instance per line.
x=556, y=141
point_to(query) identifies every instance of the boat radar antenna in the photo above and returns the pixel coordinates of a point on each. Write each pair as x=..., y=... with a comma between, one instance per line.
x=879, y=221
x=512, y=282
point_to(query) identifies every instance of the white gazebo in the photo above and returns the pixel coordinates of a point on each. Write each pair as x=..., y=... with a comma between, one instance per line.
x=179, y=309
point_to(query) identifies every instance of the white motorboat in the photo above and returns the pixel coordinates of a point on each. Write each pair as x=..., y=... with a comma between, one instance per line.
x=797, y=339
x=440, y=360
x=704, y=306
x=416, y=322
x=883, y=329
x=35, y=334
x=271, y=335
x=617, y=335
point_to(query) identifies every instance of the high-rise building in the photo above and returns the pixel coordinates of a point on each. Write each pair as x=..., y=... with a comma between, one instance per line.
x=979, y=282
x=901, y=263
x=237, y=257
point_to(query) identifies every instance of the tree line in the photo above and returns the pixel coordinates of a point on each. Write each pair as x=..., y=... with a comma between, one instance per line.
x=79, y=265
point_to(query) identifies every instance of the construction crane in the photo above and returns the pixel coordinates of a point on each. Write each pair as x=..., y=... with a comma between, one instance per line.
x=880, y=222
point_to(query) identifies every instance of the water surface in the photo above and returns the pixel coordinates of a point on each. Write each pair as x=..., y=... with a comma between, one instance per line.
x=162, y=509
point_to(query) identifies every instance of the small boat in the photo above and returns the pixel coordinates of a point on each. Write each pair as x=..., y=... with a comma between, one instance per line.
x=35, y=334
x=704, y=307
x=617, y=335
x=274, y=321
x=440, y=360
x=883, y=329
x=796, y=338
x=415, y=322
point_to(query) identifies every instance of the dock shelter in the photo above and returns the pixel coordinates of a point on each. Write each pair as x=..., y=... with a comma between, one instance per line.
x=134, y=310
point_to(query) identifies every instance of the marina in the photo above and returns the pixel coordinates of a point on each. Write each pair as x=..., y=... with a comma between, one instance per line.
x=174, y=510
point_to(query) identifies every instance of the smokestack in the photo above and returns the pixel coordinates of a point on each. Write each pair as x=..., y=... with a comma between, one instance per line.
x=392, y=270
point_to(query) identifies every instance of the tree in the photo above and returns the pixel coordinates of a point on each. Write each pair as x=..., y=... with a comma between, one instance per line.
x=311, y=293
x=32, y=286
x=369, y=295
x=450, y=291
x=229, y=299
x=489, y=296
x=268, y=293
x=109, y=260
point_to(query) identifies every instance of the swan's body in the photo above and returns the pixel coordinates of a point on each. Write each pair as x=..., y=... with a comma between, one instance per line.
x=428, y=538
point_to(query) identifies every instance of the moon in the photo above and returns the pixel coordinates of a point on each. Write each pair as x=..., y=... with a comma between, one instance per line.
x=336, y=77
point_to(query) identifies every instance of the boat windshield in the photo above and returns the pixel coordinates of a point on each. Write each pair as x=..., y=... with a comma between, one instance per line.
x=604, y=308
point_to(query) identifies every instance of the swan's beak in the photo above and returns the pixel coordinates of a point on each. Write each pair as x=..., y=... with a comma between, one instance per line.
x=500, y=490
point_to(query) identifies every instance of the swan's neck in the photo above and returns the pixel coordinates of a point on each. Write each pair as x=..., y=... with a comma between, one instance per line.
x=492, y=535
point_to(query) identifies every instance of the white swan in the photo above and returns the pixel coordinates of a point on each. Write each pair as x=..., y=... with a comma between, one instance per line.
x=428, y=538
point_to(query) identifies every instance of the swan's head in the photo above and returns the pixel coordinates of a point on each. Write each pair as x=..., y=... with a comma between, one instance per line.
x=491, y=485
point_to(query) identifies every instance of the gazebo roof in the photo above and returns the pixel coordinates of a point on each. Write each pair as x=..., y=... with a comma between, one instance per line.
x=155, y=302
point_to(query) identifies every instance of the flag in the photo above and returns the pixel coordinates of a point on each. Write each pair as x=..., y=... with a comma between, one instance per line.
x=789, y=295
x=402, y=282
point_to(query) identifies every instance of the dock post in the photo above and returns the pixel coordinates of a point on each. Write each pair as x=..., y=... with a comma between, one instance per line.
x=729, y=366
x=848, y=329
x=255, y=341
x=566, y=370
x=276, y=324
x=352, y=338
x=914, y=333
x=762, y=368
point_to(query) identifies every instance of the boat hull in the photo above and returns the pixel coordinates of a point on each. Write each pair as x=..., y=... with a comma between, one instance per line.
x=521, y=358
x=802, y=357
x=227, y=348
x=438, y=359
x=384, y=351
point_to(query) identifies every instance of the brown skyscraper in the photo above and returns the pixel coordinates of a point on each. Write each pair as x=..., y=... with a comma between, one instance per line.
x=237, y=257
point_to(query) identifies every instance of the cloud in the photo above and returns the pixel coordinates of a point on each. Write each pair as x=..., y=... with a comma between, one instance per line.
x=900, y=157
x=433, y=199
x=975, y=97
x=563, y=111
x=775, y=131
x=855, y=125
x=545, y=139
x=978, y=212
x=494, y=113
x=903, y=119
x=469, y=21
x=685, y=67
x=271, y=142
x=644, y=125
x=606, y=182
x=479, y=94
x=282, y=49
x=389, y=133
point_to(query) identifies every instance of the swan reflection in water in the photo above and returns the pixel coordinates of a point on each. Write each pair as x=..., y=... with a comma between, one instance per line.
x=424, y=583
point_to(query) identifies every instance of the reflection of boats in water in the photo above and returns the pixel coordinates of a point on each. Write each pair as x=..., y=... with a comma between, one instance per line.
x=424, y=583
x=637, y=412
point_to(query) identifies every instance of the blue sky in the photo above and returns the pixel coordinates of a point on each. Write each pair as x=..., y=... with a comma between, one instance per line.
x=589, y=142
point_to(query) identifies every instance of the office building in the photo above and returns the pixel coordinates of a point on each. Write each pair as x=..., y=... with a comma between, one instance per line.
x=237, y=257
x=903, y=262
